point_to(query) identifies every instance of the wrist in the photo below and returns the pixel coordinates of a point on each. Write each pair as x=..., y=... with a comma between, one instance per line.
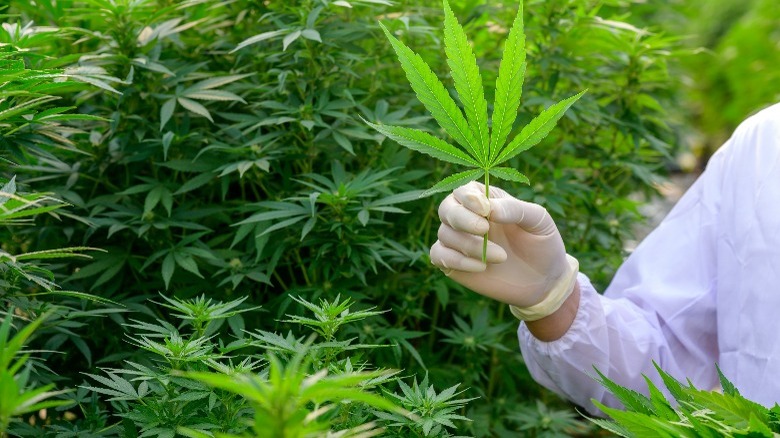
x=552, y=327
x=554, y=298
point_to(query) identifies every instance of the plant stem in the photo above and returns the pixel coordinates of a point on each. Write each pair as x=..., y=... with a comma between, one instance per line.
x=494, y=361
x=485, y=238
x=434, y=323
x=303, y=267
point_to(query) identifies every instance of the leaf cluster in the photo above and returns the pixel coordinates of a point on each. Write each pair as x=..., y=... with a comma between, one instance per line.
x=263, y=384
x=433, y=412
x=691, y=412
x=481, y=148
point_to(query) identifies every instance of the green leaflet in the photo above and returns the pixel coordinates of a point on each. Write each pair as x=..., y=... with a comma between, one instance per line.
x=509, y=85
x=675, y=388
x=643, y=425
x=696, y=413
x=610, y=426
x=509, y=174
x=537, y=129
x=433, y=95
x=725, y=384
x=661, y=406
x=759, y=427
x=468, y=81
x=631, y=399
x=420, y=141
x=454, y=181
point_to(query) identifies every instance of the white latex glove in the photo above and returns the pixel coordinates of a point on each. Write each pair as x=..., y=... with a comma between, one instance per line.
x=526, y=259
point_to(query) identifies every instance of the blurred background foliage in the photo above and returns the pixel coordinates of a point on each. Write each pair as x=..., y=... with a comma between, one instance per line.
x=740, y=71
x=215, y=148
x=732, y=70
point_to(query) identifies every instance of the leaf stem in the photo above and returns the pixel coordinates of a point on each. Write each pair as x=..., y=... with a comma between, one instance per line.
x=487, y=195
x=494, y=361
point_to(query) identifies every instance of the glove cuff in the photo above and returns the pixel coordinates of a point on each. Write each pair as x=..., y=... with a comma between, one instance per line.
x=554, y=299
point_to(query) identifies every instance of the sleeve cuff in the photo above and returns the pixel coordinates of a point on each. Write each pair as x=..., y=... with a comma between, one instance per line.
x=578, y=328
x=555, y=297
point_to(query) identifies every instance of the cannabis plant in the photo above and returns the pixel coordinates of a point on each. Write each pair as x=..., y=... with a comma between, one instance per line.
x=32, y=124
x=433, y=411
x=693, y=413
x=292, y=400
x=191, y=381
x=151, y=393
x=482, y=149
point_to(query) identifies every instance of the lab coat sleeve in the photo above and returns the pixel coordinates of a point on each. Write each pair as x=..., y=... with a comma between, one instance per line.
x=660, y=307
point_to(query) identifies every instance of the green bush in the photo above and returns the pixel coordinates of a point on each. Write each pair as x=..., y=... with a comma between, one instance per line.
x=230, y=159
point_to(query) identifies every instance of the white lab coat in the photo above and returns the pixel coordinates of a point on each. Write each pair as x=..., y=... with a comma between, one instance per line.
x=702, y=288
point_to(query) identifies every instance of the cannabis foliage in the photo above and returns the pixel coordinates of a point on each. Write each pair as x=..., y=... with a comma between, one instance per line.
x=214, y=150
x=693, y=413
x=482, y=148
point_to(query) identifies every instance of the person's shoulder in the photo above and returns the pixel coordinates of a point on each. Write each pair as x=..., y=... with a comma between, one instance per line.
x=756, y=138
x=765, y=121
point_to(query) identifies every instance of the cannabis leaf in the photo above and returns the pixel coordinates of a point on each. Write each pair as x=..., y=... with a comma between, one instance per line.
x=692, y=413
x=432, y=412
x=482, y=149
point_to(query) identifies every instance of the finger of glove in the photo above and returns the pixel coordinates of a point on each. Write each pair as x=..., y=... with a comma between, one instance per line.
x=448, y=258
x=529, y=216
x=461, y=218
x=470, y=245
x=472, y=196
x=478, y=187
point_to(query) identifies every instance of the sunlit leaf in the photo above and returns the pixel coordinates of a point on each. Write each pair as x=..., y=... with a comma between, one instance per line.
x=434, y=96
x=468, y=81
x=290, y=38
x=311, y=34
x=509, y=174
x=509, y=85
x=195, y=107
x=454, y=181
x=258, y=38
x=537, y=129
x=166, y=111
x=426, y=143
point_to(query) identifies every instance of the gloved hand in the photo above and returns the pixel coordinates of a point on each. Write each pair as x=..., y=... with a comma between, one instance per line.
x=526, y=260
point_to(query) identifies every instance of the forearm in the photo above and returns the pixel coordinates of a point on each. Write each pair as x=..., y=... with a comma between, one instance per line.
x=555, y=325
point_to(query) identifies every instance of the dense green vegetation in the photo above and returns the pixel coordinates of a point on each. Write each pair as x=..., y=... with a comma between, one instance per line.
x=209, y=241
